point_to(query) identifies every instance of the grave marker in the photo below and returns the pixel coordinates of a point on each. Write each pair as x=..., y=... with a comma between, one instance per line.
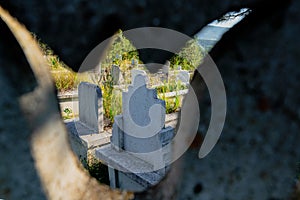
x=183, y=76
x=137, y=133
x=86, y=133
x=116, y=74
x=90, y=106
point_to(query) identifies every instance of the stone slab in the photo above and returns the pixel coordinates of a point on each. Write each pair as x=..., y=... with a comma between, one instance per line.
x=81, y=143
x=130, y=165
x=146, y=145
x=121, y=160
x=90, y=106
x=117, y=138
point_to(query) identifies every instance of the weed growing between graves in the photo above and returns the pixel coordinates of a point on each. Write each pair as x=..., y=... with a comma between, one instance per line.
x=171, y=86
x=96, y=169
x=123, y=54
x=173, y=103
x=112, y=99
x=68, y=113
x=64, y=79
x=189, y=57
x=120, y=53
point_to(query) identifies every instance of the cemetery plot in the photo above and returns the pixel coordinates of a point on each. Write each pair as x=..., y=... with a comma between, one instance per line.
x=135, y=156
x=137, y=150
x=87, y=132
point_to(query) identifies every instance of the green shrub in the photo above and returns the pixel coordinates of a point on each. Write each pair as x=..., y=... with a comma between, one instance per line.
x=68, y=113
x=171, y=86
x=112, y=100
x=121, y=53
x=189, y=57
x=172, y=103
x=64, y=80
x=64, y=77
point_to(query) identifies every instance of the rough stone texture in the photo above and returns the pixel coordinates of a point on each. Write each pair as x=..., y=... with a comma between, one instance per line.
x=117, y=138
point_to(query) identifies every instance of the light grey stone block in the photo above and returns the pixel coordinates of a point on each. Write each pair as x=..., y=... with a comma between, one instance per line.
x=135, y=72
x=117, y=138
x=116, y=74
x=143, y=113
x=131, y=182
x=83, y=139
x=90, y=106
x=183, y=76
x=113, y=177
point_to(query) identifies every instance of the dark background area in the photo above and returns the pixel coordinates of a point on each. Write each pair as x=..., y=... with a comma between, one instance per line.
x=74, y=28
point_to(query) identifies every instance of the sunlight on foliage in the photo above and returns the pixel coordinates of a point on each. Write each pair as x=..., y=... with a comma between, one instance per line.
x=189, y=57
x=124, y=55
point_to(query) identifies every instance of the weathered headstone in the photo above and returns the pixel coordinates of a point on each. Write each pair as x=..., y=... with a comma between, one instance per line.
x=135, y=72
x=86, y=133
x=116, y=74
x=183, y=76
x=142, y=120
x=165, y=71
x=90, y=106
x=134, y=62
x=138, y=138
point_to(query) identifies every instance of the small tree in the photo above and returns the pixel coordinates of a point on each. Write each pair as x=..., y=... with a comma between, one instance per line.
x=189, y=57
x=120, y=53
